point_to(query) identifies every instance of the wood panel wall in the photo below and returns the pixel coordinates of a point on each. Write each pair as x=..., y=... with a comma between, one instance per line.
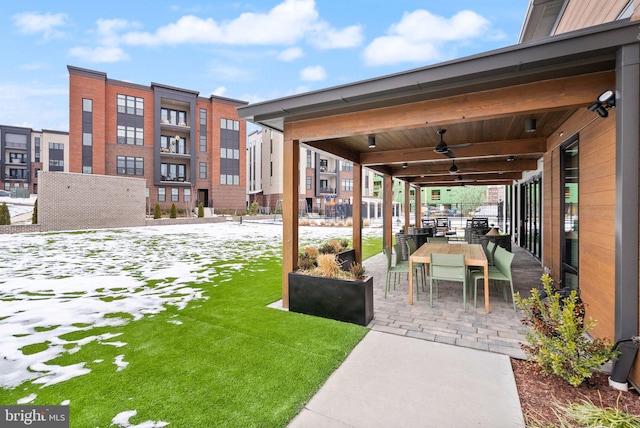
x=596, y=213
x=587, y=13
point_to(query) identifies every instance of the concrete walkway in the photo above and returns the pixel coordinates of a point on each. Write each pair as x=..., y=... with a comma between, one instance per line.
x=394, y=381
x=423, y=366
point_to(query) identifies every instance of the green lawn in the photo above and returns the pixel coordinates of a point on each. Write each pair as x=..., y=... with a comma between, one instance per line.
x=226, y=360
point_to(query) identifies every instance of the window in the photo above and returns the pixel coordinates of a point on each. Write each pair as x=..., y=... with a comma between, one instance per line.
x=172, y=145
x=130, y=135
x=347, y=185
x=187, y=195
x=87, y=105
x=173, y=171
x=174, y=194
x=36, y=144
x=229, y=152
x=173, y=117
x=87, y=169
x=203, y=116
x=203, y=170
x=346, y=166
x=232, y=125
x=203, y=143
x=56, y=165
x=126, y=165
x=309, y=164
x=162, y=195
x=309, y=181
x=435, y=194
x=130, y=105
x=87, y=139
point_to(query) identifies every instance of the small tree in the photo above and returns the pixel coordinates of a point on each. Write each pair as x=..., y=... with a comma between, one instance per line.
x=34, y=216
x=157, y=213
x=173, y=213
x=5, y=216
x=253, y=208
x=557, y=338
x=200, y=209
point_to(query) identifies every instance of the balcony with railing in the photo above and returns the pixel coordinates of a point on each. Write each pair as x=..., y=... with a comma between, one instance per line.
x=327, y=191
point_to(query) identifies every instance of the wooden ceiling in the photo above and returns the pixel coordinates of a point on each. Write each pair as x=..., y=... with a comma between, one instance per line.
x=488, y=128
x=495, y=151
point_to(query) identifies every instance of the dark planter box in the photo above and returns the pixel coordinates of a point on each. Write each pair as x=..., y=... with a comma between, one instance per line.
x=346, y=258
x=338, y=299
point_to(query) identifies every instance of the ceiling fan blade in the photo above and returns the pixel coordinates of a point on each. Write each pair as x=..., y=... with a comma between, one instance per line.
x=459, y=146
x=449, y=154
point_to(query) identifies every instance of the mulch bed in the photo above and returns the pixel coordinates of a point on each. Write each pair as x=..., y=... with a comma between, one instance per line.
x=539, y=392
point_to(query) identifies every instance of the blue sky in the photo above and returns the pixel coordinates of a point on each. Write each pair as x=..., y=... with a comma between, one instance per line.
x=251, y=50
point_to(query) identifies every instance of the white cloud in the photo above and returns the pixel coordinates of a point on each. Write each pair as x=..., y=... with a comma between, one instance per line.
x=99, y=54
x=290, y=54
x=331, y=38
x=285, y=24
x=421, y=36
x=35, y=23
x=219, y=91
x=314, y=73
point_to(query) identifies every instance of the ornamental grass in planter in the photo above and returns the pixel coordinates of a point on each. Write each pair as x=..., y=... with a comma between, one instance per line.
x=323, y=286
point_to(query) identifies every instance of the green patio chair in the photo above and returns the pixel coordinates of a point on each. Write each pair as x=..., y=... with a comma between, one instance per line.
x=448, y=267
x=395, y=270
x=418, y=268
x=501, y=271
x=438, y=239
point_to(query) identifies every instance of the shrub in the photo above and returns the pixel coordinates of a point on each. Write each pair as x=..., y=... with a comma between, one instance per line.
x=34, y=216
x=5, y=216
x=328, y=266
x=173, y=213
x=157, y=213
x=557, y=337
x=253, y=208
x=357, y=271
x=200, y=209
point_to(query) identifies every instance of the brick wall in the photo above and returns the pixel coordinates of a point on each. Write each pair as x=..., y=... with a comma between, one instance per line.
x=73, y=201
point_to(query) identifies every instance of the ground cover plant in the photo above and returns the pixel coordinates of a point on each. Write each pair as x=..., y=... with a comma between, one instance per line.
x=161, y=325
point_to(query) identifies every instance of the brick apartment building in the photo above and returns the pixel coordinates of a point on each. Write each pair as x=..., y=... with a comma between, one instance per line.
x=325, y=184
x=188, y=148
x=25, y=151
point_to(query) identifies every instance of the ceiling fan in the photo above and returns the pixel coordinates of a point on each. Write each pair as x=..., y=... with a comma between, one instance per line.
x=443, y=149
x=454, y=169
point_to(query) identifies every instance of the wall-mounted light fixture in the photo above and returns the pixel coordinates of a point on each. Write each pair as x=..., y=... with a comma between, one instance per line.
x=605, y=101
x=372, y=141
x=510, y=158
x=530, y=125
x=404, y=165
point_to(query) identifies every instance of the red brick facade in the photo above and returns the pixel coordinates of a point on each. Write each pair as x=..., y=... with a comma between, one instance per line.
x=93, y=85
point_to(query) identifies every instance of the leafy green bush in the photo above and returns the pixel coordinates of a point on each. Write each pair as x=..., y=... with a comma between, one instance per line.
x=200, y=209
x=173, y=213
x=253, y=208
x=5, y=216
x=557, y=337
x=157, y=213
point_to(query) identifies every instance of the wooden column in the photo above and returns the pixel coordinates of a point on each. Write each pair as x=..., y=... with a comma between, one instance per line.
x=407, y=206
x=291, y=177
x=387, y=214
x=418, y=207
x=356, y=214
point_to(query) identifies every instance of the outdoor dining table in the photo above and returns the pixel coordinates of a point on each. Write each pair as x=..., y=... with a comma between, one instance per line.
x=474, y=255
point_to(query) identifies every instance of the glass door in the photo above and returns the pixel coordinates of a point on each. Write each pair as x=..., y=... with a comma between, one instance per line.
x=531, y=215
x=569, y=225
